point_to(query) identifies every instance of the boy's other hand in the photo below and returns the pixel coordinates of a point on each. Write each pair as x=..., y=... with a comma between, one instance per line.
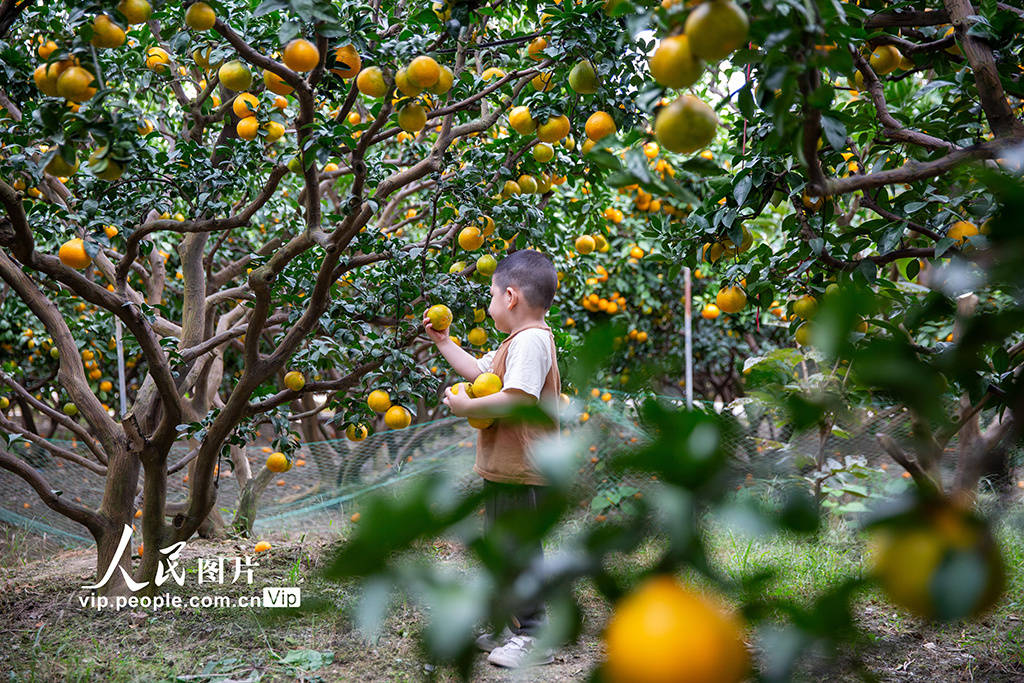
x=457, y=403
x=435, y=336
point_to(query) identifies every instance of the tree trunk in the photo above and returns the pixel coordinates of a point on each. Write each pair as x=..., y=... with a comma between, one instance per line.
x=247, y=503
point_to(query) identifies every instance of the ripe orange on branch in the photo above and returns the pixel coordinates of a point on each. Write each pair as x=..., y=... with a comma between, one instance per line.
x=235, y=75
x=520, y=120
x=379, y=401
x=423, y=72
x=275, y=83
x=553, y=129
x=294, y=380
x=471, y=238
x=716, y=28
x=370, y=82
x=397, y=417
x=347, y=62
x=685, y=125
x=278, y=462
x=200, y=16
x=412, y=117
x=301, y=55
x=245, y=104
x=356, y=432
x=440, y=317
x=73, y=255
x=600, y=124
x=75, y=84
x=731, y=299
x=673, y=63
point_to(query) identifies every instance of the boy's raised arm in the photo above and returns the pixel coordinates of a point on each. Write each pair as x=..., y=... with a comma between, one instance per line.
x=461, y=361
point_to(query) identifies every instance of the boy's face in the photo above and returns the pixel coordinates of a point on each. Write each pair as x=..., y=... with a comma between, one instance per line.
x=503, y=301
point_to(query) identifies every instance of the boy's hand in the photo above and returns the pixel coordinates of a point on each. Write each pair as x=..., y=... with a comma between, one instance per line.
x=457, y=403
x=435, y=336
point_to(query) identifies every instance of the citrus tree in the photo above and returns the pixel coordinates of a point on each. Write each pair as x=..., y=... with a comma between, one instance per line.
x=858, y=200
x=264, y=197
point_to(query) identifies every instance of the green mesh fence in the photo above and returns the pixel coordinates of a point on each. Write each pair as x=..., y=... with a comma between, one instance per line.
x=327, y=479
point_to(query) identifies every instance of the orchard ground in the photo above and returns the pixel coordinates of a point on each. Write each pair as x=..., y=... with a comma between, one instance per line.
x=48, y=636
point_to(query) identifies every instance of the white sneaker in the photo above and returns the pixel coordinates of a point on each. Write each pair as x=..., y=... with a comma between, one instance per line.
x=491, y=641
x=520, y=651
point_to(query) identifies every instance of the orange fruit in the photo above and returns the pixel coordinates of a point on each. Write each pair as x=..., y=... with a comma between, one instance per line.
x=885, y=59
x=423, y=72
x=812, y=203
x=440, y=317
x=75, y=84
x=910, y=559
x=412, y=117
x=379, y=401
x=46, y=75
x=356, y=432
x=485, y=384
x=347, y=62
x=585, y=244
x=667, y=632
x=477, y=336
x=274, y=131
x=404, y=85
x=553, y=129
x=135, y=11
x=235, y=75
x=294, y=380
x=674, y=65
x=278, y=462
x=599, y=125
x=961, y=230
x=200, y=16
x=687, y=124
x=520, y=120
x=543, y=152
x=370, y=82
x=157, y=59
x=470, y=238
x=445, y=80
x=543, y=82
x=397, y=417
x=535, y=47
x=275, y=83
x=301, y=55
x=46, y=49
x=245, y=104
x=73, y=255
x=59, y=167
x=805, y=307
x=248, y=128
x=105, y=33
x=715, y=29
x=803, y=334
x=731, y=299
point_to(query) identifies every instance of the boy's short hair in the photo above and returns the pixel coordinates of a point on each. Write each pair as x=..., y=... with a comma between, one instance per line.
x=532, y=273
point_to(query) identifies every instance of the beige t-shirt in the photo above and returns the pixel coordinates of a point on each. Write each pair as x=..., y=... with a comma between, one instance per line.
x=528, y=362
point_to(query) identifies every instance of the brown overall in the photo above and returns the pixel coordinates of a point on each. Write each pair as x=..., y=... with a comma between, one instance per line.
x=510, y=478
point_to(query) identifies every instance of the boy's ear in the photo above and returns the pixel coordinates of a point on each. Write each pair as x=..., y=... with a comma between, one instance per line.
x=511, y=296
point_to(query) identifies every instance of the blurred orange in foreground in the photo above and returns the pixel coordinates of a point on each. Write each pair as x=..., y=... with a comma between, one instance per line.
x=667, y=632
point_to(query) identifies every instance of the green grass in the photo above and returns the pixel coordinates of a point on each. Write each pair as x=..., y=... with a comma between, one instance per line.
x=51, y=638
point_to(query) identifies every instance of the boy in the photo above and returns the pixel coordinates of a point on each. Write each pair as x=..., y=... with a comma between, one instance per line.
x=522, y=289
